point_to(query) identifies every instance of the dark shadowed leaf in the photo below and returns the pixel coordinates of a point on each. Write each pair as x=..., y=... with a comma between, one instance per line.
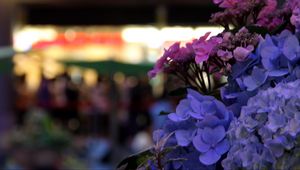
x=134, y=161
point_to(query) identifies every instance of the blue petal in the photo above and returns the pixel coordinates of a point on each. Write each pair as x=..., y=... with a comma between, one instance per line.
x=270, y=52
x=208, y=121
x=222, y=147
x=192, y=94
x=183, y=107
x=257, y=78
x=291, y=47
x=240, y=68
x=182, y=111
x=268, y=55
x=176, y=118
x=208, y=107
x=278, y=73
x=199, y=144
x=210, y=157
x=196, y=109
x=183, y=137
x=276, y=121
x=213, y=136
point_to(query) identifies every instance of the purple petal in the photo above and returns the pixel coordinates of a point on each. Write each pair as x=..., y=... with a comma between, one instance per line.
x=182, y=111
x=208, y=107
x=210, y=157
x=257, y=78
x=208, y=121
x=183, y=137
x=200, y=57
x=291, y=47
x=250, y=83
x=196, y=95
x=278, y=73
x=213, y=136
x=270, y=52
x=176, y=118
x=199, y=144
x=183, y=107
x=196, y=107
x=276, y=121
x=222, y=147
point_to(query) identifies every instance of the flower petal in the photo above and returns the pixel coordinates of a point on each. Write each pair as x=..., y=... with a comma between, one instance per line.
x=183, y=137
x=213, y=136
x=176, y=118
x=210, y=157
x=291, y=47
x=222, y=147
x=199, y=144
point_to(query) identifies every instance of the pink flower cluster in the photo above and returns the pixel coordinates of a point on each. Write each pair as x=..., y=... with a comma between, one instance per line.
x=216, y=52
x=203, y=47
x=237, y=12
x=262, y=13
x=171, y=58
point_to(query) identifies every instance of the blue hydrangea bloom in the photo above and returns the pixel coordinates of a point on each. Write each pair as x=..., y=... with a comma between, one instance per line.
x=275, y=60
x=267, y=129
x=209, y=119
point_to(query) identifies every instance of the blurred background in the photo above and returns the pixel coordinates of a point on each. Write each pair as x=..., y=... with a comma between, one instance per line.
x=74, y=91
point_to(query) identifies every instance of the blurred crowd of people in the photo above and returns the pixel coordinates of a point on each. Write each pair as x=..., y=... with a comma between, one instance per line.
x=107, y=121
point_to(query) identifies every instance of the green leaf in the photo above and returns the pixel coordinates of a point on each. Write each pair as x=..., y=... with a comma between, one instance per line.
x=178, y=92
x=135, y=161
x=259, y=30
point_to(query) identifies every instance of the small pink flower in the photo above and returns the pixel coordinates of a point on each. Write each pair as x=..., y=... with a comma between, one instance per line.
x=173, y=58
x=203, y=47
x=226, y=36
x=168, y=55
x=224, y=55
x=241, y=53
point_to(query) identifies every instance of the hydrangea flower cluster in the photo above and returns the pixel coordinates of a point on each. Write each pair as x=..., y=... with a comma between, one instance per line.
x=276, y=59
x=256, y=124
x=267, y=131
x=209, y=120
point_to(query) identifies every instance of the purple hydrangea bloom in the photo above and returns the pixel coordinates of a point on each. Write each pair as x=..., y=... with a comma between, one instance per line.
x=211, y=143
x=266, y=130
x=210, y=120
